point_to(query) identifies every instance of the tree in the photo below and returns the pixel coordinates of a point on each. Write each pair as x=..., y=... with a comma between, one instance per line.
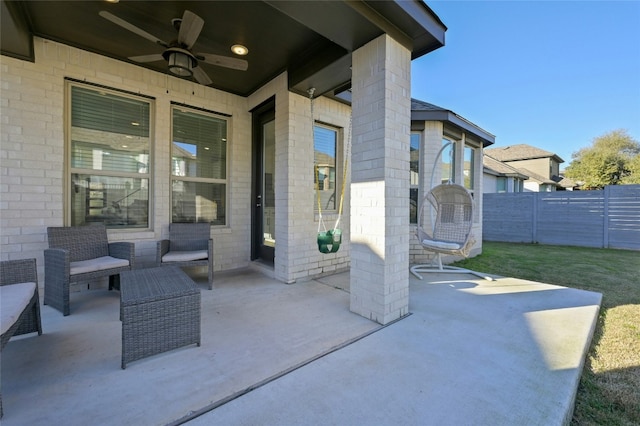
x=634, y=168
x=612, y=159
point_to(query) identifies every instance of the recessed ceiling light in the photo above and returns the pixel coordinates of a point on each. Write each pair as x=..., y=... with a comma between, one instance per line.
x=239, y=49
x=112, y=1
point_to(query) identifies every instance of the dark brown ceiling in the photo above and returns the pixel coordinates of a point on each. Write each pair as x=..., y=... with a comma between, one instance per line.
x=312, y=40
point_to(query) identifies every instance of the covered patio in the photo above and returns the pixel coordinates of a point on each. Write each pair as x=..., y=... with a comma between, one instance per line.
x=347, y=348
x=105, y=107
x=469, y=352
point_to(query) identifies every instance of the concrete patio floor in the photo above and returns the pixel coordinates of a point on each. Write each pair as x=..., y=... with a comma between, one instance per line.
x=472, y=352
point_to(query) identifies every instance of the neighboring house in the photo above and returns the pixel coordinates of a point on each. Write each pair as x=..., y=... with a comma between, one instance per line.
x=500, y=177
x=566, y=184
x=95, y=125
x=538, y=183
x=542, y=167
x=445, y=147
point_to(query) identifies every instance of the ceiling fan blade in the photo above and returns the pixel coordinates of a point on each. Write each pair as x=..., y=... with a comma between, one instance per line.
x=147, y=58
x=224, y=61
x=190, y=28
x=127, y=26
x=201, y=76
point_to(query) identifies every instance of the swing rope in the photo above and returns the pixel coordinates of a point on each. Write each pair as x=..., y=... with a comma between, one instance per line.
x=329, y=240
x=344, y=173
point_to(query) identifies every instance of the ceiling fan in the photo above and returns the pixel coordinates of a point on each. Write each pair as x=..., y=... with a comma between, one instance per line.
x=181, y=59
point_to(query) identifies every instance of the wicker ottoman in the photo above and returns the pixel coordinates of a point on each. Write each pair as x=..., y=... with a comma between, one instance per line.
x=160, y=311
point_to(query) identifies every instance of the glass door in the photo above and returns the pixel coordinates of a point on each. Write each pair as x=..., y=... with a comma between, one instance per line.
x=268, y=190
x=263, y=218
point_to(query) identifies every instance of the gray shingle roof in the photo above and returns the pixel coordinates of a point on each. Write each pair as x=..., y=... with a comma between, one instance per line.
x=567, y=183
x=424, y=111
x=521, y=152
x=417, y=105
x=500, y=168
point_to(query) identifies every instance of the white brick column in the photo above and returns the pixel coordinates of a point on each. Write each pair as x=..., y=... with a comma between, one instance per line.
x=381, y=84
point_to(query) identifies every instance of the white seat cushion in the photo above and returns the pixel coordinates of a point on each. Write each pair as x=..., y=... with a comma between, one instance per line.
x=443, y=245
x=185, y=256
x=14, y=298
x=97, y=264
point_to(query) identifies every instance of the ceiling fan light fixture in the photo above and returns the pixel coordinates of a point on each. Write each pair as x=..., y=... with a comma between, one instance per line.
x=239, y=49
x=180, y=64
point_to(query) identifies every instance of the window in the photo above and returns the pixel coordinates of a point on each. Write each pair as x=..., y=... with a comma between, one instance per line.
x=108, y=148
x=468, y=171
x=448, y=161
x=501, y=184
x=414, y=173
x=325, y=140
x=198, y=167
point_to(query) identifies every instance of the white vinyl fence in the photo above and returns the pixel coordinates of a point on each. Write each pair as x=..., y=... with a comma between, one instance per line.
x=609, y=218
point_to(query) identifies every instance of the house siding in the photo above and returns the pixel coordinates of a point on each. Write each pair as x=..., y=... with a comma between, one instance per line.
x=490, y=183
x=537, y=165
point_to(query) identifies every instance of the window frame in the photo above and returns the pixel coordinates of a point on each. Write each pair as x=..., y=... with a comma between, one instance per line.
x=469, y=174
x=339, y=166
x=502, y=184
x=452, y=167
x=200, y=180
x=71, y=171
x=415, y=187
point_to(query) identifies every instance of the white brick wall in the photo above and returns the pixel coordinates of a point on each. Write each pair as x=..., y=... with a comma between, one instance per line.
x=296, y=254
x=32, y=154
x=32, y=150
x=380, y=183
x=32, y=166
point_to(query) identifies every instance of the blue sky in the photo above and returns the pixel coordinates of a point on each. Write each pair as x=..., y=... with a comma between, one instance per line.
x=552, y=74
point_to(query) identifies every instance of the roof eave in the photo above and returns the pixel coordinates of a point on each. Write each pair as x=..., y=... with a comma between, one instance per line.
x=453, y=118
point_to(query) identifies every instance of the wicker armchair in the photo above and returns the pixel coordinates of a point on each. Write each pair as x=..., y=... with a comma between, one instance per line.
x=81, y=253
x=189, y=244
x=20, y=301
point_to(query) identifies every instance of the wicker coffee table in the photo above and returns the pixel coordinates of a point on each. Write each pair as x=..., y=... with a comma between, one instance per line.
x=160, y=311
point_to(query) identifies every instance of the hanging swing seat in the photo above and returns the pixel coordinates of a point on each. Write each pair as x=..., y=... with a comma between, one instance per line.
x=450, y=231
x=329, y=241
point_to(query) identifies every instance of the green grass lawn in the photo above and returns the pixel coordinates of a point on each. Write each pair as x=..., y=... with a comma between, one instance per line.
x=609, y=392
